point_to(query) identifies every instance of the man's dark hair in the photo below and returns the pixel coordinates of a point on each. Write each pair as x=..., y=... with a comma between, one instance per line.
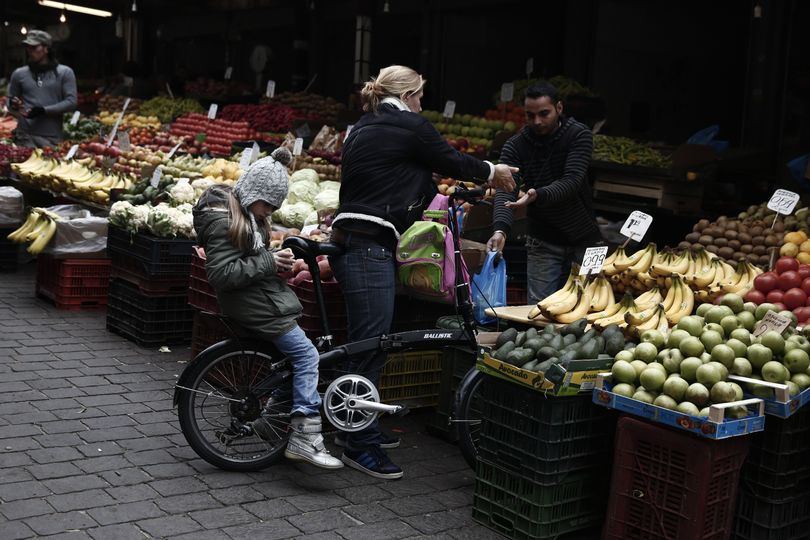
x=542, y=88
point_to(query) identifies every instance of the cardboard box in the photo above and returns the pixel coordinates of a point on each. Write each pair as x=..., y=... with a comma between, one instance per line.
x=474, y=255
x=782, y=404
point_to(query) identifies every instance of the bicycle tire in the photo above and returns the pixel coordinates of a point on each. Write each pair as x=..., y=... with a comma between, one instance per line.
x=217, y=426
x=468, y=415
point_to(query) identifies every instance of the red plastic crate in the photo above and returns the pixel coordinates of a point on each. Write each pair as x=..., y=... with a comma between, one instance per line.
x=669, y=485
x=207, y=330
x=73, y=284
x=200, y=294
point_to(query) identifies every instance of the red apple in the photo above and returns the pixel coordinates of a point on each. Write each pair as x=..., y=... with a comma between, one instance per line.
x=754, y=296
x=780, y=306
x=804, y=271
x=802, y=313
x=794, y=298
x=806, y=285
x=788, y=279
x=785, y=264
x=765, y=282
x=774, y=296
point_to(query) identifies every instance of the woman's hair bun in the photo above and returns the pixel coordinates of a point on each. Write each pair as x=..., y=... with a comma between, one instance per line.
x=282, y=155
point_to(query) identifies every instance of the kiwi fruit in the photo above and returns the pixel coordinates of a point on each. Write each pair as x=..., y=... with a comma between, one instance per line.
x=685, y=245
x=764, y=259
x=705, y=239
x=738, y=255
x=730, y=234
x=771, y=240
x=744, y=237
x=721, y=241
x=757, y=240
x=732, y=225
x=756, y=230
x=779, y=226
x=712, y=248
x=692, y=237
x=725, y=252
x=734, y=244
x=746, y=248
x=697, y=246
x=753, y=259
x=759, y=250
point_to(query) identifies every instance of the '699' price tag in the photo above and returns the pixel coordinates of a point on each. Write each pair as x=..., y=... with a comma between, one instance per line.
x=593, y=260
x=783, y=201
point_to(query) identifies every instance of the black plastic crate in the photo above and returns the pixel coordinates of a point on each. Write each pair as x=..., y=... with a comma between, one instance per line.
x=544, y=438
x=518, y=508
x=9, y=251
x=155, y=255
x=147, y=334
x=148, y=320
x=127, y=294
x=765, y=519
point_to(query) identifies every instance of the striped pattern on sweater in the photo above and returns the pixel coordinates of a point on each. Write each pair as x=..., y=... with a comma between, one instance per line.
x=557, y=168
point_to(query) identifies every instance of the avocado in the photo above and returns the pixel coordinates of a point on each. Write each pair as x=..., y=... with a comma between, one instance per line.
x=530, y=366
x=588, y=350
x=507, y=335
x=589, y=335
x=556, y=342
x=534, y=344
x=576, y=328
x=543, y=366
x=600, y=347
x=521, y=337
x=550, y=329
x=610, y=330
x=519, y=356
x=504, y=350
x=613, y=344
x=567, y=356
x=531, y=333
x=569, y=339
x=544, y=353
x=629, y=345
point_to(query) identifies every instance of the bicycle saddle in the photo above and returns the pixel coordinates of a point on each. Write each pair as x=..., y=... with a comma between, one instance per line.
x=304, y=248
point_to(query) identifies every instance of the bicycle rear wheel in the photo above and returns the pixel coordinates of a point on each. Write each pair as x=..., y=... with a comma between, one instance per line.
x=468, y=415
x=223, y=392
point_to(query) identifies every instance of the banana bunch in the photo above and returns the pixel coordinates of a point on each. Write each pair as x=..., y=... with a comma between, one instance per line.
x=613, y=314
x=602, y=296
x=670, y=263
x=36, y=164
x=740, y=282
x=654, y=317
x=38, y=229
x=679, y=300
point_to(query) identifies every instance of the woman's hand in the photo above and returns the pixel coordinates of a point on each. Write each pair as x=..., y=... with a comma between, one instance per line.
x=284, y=260
x=503, y=177
x=526, y=200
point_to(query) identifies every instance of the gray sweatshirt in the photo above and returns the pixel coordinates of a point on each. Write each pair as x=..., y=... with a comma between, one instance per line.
x=56, y=94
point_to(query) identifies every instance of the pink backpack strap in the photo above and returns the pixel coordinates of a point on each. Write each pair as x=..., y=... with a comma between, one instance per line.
x=441, y=203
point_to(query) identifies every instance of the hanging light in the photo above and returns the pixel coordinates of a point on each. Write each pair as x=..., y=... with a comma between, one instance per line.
x=386, y=7
x=134, y=6
x=62, y=17
x=23, y=30
x=73, y=7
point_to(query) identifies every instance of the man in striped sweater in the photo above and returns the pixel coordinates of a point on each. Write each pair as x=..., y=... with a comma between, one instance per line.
x=553, y=152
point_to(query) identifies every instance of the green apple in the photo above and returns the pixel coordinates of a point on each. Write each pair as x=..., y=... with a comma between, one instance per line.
x=750, y=307
x=624, y=389
x=759, y=355
x=691, y=346
x=655, y=337
x=741, y=367
x=724, y=354
x=774, y=341
x=797, y=342
x=790, y=315
x=702, y=309
x=710, y=340
x=666, y=402
x=676, y=336
x=708, y=375
x=721, y=368
x=742, y=334
x=722, y=392
x=688, y=408
x=793, y=388
x=705, y=358
x=623, y=372
x=675, y=387
x=715, y=327
x=692, y=324
x=729, y=324
x=716, y=313
x=775, y=372
x=625, y=355
x=739, y=348
x=762, y=309
x=747, y=319
x=733, y=301
x=797, y=361
x=688, y=368
x=653, y=379
x=697, y=394
x=646, y=352
x=639, y=366
x=672, y=361
x=802, y=380
x=645, y=396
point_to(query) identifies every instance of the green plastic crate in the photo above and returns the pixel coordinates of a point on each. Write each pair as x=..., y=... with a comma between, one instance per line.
x=456, y=362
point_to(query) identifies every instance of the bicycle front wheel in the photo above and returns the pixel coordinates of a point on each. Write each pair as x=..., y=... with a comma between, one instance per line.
x=233, y=403
x=468, y=415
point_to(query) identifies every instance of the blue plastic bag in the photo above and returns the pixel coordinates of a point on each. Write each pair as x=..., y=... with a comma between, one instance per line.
x=489, y=288
x=705, y=135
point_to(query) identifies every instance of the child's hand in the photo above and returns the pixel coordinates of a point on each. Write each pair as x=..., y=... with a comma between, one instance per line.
x=284, y=260
x=526, y=200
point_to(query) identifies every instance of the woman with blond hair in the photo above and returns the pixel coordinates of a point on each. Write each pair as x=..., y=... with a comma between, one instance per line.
x=387, y=182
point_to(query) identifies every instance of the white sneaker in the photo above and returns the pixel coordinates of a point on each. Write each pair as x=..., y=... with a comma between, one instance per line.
x=306, y=444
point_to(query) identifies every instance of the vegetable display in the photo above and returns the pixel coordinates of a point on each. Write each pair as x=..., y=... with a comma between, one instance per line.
x=628, y=152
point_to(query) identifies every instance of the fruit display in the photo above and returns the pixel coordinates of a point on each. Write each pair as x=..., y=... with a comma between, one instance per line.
x=167, y=109
x=37, y=230
x=12, y=154
x=473, y=133
x=628, y=152
x=786, y=287
x=300, y=271
x=116, y=103
x=85, y=129
x=163, y=220
x=566, y=87
x=309, y=106
x=537, y=351
x=219, y=135
x=272, y=117
x=130, y=120
x=508, y=112
x=796, y=245
x=7, y=124
x=202, y=87
x=323, y=166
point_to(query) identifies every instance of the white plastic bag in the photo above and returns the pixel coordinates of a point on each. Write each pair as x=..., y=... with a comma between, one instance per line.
x=11, y=206
x=79, y=232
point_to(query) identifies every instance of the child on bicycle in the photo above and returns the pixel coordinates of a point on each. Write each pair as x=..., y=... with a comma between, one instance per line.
x=233, y=225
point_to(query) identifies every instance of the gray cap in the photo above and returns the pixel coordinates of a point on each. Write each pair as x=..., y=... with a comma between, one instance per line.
x=38, y=37
x=266, y=180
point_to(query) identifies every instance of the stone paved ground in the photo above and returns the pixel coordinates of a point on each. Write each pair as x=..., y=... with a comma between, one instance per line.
x=90, y=448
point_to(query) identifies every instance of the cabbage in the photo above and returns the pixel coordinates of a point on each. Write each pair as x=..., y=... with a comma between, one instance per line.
x=303, y=191
x=327, y=199
x=169, y=222
x=304, y=174
x=294, y=215
x=330, y=184
x=312, y=219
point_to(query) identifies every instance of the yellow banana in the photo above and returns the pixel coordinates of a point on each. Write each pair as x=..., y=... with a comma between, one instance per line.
x=652, y=322
x=564, y=306
x=639, y=317
x=42, y=222
x=580, y=310
x=609, y=266
x=705, y=278
x=609, y=311
x=44, y=238
x=685, y=303
x=27, y=226
x=649, y=299
x=679, y=266
x=644, y=262
x=557, y=296
x=627, y=262
x=626, y=304
x=534, y=312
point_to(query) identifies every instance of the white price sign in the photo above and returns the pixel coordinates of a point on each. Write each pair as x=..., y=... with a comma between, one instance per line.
x=529, y=66
x=248, y=156
x=228, y=72
x=348, y=130
x=254, y=152
x=507, y=92
x=299, y=145
x=169, y=90
x=155, y=178
x=126, y=104
x=75, y=118
x=636, y=225
x=212, y=111
x=449, y=109
x=771, y=321
x=270, y=91
x=783, y=201
x=173, y=150
x=593, y=260
x=123, y=141
x=72, y=151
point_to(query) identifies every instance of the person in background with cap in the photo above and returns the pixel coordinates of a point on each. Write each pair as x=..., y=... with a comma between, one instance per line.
x=234, y=228
x=40, y=93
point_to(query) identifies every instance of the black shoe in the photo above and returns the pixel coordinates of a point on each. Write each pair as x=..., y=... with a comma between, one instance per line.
x=387, y=442
x=372, y=461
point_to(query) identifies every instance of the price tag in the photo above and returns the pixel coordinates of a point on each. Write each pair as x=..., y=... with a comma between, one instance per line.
x=72, y=151
x=771, y=321
x=173, y=150
x=75, y=118
x=636, y=225
x=114, y=129
x=529, y=66
x=228, y=73
x=254, y=152
x=783, y=201
x=299, y=145
x=212, y=111
x=303, y=131
x=308, y=229
x=169, y=91
x=593, y=260
x=126, y=104
x=348, y=130
x=123, y=141
x=155, y=178
x=507, y=92
x=245, y=160
x=270, y=91
x=449, y=109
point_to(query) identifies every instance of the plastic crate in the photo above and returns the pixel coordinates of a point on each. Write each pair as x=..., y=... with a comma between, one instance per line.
x=543, y=438
x=305, y=291
x=764, y=519
x=73, y=284
x=411, y=378
x=157, y=256
x=516, y=296
x=518, y=508
x=672, y=485
x=9, y=251
x=148, y=320
x=129, y=269
x=456, y=362
x=206, y=330
x=128, y=294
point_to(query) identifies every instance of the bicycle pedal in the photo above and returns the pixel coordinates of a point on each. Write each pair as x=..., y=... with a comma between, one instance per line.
x=402, y=411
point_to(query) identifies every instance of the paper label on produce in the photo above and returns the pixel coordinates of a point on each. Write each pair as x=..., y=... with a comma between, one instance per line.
x=173, y=150
x=155, y=178
x=507, y=92
x=299, y=145
x=771, y=321
x=123, y=141
x=530, y=66
x=228, y=72
x=212, y=111
x=169, y=90
x=348, y=130
x=636, y=225
x=783, y=201
x=72, y=151
x=303, y=131
x=449, y=109
x=593, y=260
x=270, y=91
x=75, y=118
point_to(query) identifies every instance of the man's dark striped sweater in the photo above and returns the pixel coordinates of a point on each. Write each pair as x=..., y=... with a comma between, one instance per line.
x=556, y=166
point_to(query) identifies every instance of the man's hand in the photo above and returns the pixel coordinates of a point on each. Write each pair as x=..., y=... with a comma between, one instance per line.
x=284, y=260
x=15, y=103
x=503, y=177
x=526, y=200
x=496, y=243
x=34, y=112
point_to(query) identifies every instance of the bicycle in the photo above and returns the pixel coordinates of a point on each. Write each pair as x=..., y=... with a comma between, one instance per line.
x=234, y=382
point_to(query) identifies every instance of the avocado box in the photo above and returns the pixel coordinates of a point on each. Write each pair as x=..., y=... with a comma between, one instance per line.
x=580, y=376
x=778, y=402
x=716, y=426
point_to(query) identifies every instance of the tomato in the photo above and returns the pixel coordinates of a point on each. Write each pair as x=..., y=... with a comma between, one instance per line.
x=794, y=298
x=774, y=296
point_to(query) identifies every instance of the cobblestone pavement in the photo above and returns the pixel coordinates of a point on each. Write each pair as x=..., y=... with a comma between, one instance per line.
x=90, y=448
